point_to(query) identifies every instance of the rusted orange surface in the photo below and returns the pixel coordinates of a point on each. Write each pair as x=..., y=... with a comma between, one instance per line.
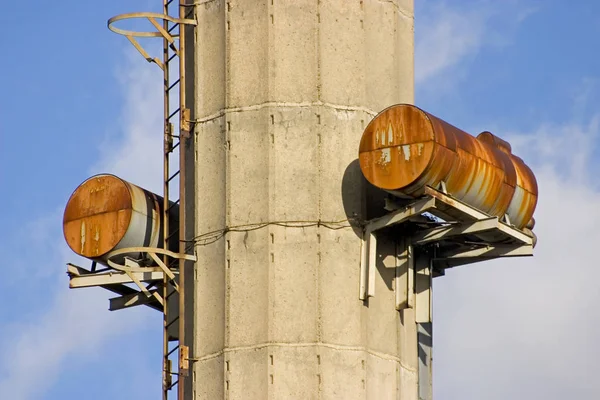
x=97, y=216
x=404, y=149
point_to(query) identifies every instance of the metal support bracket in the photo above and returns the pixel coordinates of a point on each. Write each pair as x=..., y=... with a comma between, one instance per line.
x=457, y=237
x=118, y=276
x=80, y=277
x=369, y=241
x=405, y=275
x=131, y=300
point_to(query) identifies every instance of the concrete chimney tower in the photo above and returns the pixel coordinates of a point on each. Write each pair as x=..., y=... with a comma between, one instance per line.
x=284, y=90
x=266, y=260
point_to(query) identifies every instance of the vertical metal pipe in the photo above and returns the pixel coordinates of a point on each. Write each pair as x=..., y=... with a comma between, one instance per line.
x=364, y=262
x=166, y=150
x=411, y=275
x=372, y=264
x=184, y=137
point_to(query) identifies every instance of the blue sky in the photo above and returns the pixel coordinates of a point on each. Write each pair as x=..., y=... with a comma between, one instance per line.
x=78, y=101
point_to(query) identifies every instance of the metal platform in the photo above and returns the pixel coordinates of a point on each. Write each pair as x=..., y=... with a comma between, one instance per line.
x=136, y=283
x=450, y=232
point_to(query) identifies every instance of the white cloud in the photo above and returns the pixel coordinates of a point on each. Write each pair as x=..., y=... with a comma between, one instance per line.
x=76, y=324
x=137, y=155
x=526, y=328
x=522, y=328
x=447, y=37
x=567, y=150
x=444, y=38
x=72, y=324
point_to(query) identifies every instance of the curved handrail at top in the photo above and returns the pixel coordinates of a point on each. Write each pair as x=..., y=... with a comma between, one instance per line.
x=147, y=15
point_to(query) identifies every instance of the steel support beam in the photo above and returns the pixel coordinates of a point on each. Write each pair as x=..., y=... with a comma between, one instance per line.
x=131, y=300
x=369, y=242
x=80, y=277
x=487, y=252
x=446, y=232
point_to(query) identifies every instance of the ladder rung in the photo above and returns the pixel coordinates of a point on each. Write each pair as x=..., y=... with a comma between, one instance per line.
x=173, y=205
x=173, y=176
x=171, y=58
x=173, y=114
x=171, y=386
x=172, y=350
x=175, y=232
x=172, y=322
x=173, y=85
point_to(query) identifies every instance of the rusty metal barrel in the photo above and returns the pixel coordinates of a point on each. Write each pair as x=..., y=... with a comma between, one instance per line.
x=404, y=149
x=107, y=213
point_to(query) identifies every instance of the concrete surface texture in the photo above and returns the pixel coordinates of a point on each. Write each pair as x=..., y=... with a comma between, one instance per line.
x=284, y=91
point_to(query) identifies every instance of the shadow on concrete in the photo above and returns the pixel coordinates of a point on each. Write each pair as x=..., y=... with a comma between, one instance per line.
x=386, y=260
x=425, y=340
x=362, y=201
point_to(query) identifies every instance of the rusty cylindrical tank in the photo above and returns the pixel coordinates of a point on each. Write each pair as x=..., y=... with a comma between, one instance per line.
x=404, y=149
x=106, y=213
